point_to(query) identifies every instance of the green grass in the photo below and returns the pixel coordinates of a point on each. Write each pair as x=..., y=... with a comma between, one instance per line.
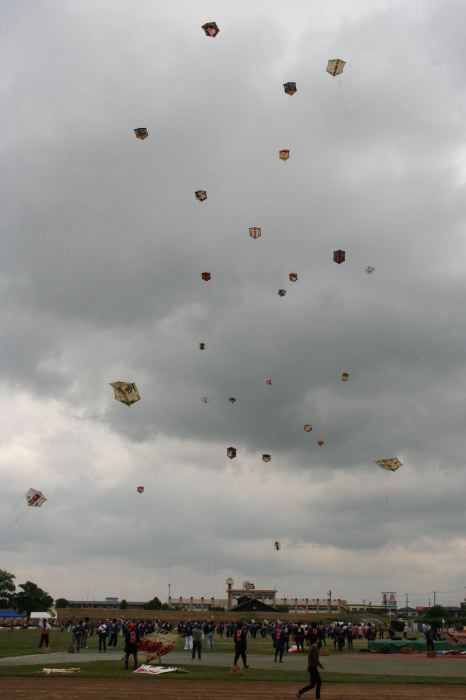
x=24, y=642
x=110, y=669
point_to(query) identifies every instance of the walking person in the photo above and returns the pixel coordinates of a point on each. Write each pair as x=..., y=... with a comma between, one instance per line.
x=131, y=644
x=241, y=644
x=279, y=642
x=197, y=642
x=188, y=630
x=112, y=642
x=102, y=629
x=313, y=666
x=44, y=634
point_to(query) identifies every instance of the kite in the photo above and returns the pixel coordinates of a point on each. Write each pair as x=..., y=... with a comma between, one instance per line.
x=211, y=29
x=284, y=153
x=205, y=399
x=277, y=545
x=141, y=133
x=266, y=458
x=126, y=392
x=201, y=195
x=344, y=376
x=231, y=452
x=307, y=428
x=321, y=443
x=231, y=399
x=255, y=232
x=281, y=292
x=269, y=382
x=339, y=256
x=206, y=276
x=293, y=276
x=202, y=346
x=391, y=464
x=35, y=498
x=290, y=88
x=370, y=269
x=335, y=66
x=140, y=489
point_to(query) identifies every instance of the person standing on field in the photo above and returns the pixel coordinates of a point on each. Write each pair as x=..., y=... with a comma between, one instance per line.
x=313, y=666
x=241, y=644
x=197, y=642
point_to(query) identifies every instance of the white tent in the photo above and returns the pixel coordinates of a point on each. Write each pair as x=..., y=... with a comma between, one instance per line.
x=42, y=615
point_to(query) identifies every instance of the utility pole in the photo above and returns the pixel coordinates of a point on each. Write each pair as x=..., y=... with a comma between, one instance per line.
x=406, y=597
x=435, y=593
x=329, y=593
x=169, y=592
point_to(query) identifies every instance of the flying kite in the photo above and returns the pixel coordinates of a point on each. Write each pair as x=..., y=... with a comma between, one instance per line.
x=281, y=292
x=232, y=399
x=141, y=133
x=344, y=376
x=321, y=443
x=307, y=428
x=255, y=232
x=391, y=464
x=277, y=545
x=269, y=382
x=201, y=195
x=211, y=29
x=293, y=276
x=206, y=276
x=284, y=153
x=140, y=489
x=370, y=269
x=339, y=256
x=126, y=392
x=290, y=88
x=205, y=399
x=335, y=66
x=266, y=458
x=35, y=498
x=202, y=346
x=231, y=452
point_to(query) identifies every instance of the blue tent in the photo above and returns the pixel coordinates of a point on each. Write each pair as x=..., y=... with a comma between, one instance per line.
x=9, y=613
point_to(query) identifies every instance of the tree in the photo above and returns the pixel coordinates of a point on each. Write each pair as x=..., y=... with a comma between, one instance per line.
x=436, y=612
x=62, y=603
x=7, y=589
x=123, y=605
x=153, y=604
x=31, y=597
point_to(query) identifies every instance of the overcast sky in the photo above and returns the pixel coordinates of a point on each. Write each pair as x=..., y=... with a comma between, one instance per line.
x=103, y=246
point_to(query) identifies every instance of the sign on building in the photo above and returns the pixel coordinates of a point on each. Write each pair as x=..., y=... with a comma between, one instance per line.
x=389, y=599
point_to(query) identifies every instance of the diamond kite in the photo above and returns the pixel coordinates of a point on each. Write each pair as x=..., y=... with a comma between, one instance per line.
x=293, y=276
x=284, y=153
x=141, y=133
x=266, y=458
x=140, y=489
x=335, y=66
x=201, y=195
x=211, y=29
x=307, y=428
x=281, y=292
x=339, y=256
x=255, y=232
x=35, y=498
x=126, y=392
x=344, y=376
x=277, y=545
x=231, y=452
x=290, y=88
x=206, y=276
x=391, y=464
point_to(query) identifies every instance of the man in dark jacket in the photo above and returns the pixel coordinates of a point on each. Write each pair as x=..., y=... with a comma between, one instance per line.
x=131, y=644
x=241, y=644
x=313, y=665
x=279, y=642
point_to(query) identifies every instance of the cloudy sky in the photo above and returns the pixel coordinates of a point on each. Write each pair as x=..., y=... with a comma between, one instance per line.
x=103, y=246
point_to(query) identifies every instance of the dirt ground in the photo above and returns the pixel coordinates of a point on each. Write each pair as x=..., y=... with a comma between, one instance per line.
x=101, y=689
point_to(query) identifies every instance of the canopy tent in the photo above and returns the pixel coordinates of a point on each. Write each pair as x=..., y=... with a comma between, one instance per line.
x=42, y=615
x=9, y=614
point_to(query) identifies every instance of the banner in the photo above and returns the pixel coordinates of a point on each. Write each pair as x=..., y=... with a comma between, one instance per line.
x=389, y=599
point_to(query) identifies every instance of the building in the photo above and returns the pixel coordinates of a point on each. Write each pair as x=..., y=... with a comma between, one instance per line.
x=110, y=603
